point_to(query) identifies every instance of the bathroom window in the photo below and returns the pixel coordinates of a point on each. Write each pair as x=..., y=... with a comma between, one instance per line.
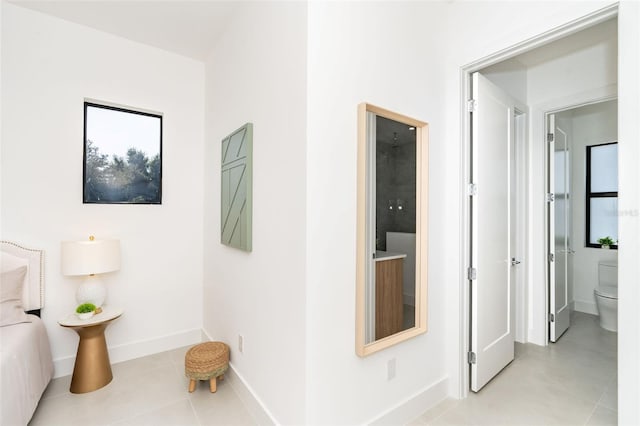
x=602, y=193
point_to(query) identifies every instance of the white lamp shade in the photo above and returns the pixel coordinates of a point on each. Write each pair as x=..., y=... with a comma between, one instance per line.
x=90, y=257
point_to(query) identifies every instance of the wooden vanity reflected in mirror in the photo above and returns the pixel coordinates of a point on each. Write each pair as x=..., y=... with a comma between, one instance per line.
x=391, y=276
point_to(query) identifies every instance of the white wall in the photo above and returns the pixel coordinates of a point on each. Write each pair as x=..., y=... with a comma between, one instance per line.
x=257, y=73
x=415, y=74
x=48, y=67
x=591, y=125
x=386, y=54
x=629, y=214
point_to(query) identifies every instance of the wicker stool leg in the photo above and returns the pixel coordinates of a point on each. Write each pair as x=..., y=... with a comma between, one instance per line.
x=212, y=384
x=221, y=377
x=192, y=385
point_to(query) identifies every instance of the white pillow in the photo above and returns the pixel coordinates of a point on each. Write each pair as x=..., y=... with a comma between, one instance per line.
x=12, y=279
x=9, y=262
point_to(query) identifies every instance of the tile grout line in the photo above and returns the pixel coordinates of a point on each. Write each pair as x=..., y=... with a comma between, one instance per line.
x=443, y=413
x=606, y=388
x=591, y=415
x=195, y=412
x=143, y=413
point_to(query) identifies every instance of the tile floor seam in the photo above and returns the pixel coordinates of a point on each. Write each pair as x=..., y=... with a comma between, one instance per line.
x=606, y=389
x=140, y=413
x=242, y=401
x=593, y=411
x=195, y=412
x=604, y=392
x=443, y=413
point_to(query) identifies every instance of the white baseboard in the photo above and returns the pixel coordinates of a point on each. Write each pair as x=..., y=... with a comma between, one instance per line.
x=412, y=407
x=587, y=307
x=245, y=392
x=119, y=353
x=255, y=406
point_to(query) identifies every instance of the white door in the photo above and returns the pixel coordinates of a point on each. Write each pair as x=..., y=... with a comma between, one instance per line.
x=492, y=293
x=559, y=221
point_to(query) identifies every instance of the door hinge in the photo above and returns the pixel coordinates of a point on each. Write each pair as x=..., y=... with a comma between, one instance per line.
x=473, y=189
x=472, y=273
x=471, y=357
x=551, y=257
x=551, y=197
x=550, y=137
x=472, y=105
x=552, y=317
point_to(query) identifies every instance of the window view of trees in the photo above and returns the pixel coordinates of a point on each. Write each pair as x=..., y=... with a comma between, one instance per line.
x=134, y=179
x=122, y=156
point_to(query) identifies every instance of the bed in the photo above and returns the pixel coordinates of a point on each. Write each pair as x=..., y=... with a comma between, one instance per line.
x=26, y=364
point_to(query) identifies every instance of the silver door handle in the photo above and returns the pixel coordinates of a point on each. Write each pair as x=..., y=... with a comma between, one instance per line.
x=514, y=262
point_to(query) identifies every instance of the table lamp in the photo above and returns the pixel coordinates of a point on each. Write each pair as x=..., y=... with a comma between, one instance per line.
x=90, y=258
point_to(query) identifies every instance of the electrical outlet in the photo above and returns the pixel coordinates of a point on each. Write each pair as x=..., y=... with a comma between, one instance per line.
x=391, y=368
x=240, y=343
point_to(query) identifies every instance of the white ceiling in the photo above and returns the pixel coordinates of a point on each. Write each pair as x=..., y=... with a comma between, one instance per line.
x=188, y=28
x=604, y=33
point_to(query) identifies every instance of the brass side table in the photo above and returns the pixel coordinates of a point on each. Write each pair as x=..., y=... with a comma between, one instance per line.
x=92, y=369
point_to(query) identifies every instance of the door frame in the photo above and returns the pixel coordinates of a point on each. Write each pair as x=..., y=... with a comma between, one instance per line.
x=542, y=112
x=465, y=149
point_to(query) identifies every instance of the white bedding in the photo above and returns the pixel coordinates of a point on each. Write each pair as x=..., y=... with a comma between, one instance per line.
x=26, y=368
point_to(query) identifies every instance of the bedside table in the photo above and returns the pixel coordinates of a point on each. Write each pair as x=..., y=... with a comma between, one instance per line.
x=92, y=369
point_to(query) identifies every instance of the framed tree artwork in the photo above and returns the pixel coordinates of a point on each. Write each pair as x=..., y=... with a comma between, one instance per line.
x=122, y=155
x=236, y=191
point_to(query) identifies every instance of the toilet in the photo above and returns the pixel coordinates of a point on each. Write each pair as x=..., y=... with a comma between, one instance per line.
x=607, y=295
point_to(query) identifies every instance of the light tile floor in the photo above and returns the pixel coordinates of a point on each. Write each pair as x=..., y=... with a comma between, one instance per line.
x=146, y=391
x=572, y=382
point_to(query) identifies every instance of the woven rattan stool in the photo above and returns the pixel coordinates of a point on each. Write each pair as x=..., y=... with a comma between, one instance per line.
x=206, y=361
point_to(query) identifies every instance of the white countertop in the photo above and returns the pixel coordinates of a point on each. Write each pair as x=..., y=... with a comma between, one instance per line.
x=388, y=255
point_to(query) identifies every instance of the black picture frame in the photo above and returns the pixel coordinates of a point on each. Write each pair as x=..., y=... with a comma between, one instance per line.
x=121, y=162
x=589, y=195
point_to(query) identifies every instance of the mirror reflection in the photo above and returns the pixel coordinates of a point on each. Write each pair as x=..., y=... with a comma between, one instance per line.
x=392, y=222
x=395, y=227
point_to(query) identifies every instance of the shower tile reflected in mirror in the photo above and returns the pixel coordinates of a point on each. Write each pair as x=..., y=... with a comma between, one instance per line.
x=395, y=179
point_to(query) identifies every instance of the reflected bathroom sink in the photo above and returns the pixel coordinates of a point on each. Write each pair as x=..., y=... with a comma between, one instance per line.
x=388, y=255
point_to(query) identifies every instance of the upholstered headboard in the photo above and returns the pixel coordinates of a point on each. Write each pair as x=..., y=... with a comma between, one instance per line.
x=33, y=293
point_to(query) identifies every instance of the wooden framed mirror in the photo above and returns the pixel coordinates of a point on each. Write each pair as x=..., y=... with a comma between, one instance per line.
x=391, y=276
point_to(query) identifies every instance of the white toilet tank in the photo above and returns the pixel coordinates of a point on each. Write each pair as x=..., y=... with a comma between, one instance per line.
x=608, y=273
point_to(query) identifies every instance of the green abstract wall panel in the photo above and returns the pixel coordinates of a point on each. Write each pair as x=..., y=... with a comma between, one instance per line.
x=236, y=196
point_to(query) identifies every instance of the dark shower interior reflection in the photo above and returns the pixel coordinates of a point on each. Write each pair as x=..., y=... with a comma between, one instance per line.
x=395, y=179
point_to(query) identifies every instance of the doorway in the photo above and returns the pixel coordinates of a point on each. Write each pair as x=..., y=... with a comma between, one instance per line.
x=582, y=207
x=532, y=300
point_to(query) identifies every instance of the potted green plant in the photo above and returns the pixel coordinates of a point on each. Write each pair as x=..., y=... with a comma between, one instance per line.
x=85, y=310
x=606, y=242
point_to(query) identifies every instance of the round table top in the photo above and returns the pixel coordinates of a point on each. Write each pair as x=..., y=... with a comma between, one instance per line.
x=108, y=313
